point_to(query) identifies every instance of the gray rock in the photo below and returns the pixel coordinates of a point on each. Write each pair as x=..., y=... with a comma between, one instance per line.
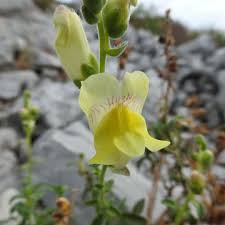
x=203, y=44
x=58, y=152
x=57, y=102
x=8, y=170
x=11, y=6
x=12, y=83
x=8, y=139
x=44, y=59
x=5, y=206
x=156, y=91
x=217, y=60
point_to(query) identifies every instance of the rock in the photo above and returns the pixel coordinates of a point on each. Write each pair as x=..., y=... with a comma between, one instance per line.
x=156, y=91
x=8, y=170
x=8, y=139
x=217, y=59
x=5, y=206
x=11, y=6
x=43, y=59
x=58, y=152
x=12, y=83
x=203, y=44
x=57, y=102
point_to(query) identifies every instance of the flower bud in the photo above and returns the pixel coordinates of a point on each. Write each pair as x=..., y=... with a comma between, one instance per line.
x=25, y=114
x=197, y=182
x=90, y=17
x=94, y=6
x=206, y=159
x=71, y=43
x=116, y=17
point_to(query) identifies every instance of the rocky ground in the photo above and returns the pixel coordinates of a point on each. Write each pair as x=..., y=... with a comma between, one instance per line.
x=28, y=60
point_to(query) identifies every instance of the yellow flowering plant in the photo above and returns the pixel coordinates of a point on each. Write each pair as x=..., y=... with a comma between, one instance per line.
x=113, y=109
x=110, y=105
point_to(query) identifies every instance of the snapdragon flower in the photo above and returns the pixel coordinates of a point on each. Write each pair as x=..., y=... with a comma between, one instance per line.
x=113, y=109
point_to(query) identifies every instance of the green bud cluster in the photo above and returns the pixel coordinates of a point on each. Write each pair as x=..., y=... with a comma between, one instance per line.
x=28, y=114
x=91, y=9
x=115, y=13
x=204, y=157
x=197, y=182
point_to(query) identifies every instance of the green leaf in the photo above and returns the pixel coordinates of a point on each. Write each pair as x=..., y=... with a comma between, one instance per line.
x=90, y=17
x=117, y=51
x=91, y=202
x=121, y=171
x=114, y=211
x=98, y=220
x=77, y=83
x=93, y=62
x=134, y=219
x=87, y=70
x=139, y=207
x=170, y=203
x=201, y=142
x=199, y=209
x=108, y=185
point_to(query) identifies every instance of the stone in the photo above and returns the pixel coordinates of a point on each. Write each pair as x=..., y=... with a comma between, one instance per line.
x=203, y=45
x=57, y=103
x=217, y=59
x=42, y=59
x=13, y=82
x=8, y=139
x=57, y=153
x=8, y=170
x=18, y=6
x=5, y=206
x=156, y=91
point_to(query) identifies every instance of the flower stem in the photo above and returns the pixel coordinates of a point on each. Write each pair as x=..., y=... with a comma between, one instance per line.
x=104, y=44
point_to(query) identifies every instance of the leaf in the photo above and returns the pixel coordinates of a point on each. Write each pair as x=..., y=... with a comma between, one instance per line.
x=114, y=211
x=87, y=70
x=91, y=202
x=98, y=220
x=108, y=185
x=117, y=51
x=139, y=207
x=170, y=203
x=201, y=142
x=134, y=219
x=199, y=209
x=121, y=171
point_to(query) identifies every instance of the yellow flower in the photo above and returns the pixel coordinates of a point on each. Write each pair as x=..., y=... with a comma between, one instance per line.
x=72, y=46
x=113, y=109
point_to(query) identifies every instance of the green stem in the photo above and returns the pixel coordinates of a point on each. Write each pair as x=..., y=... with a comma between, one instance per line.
x=29, y=175
x=181, y=215
x=101, y=182
x=30, y=158
x=104, y=44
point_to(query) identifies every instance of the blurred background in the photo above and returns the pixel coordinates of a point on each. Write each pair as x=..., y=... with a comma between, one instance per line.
x=28, y=61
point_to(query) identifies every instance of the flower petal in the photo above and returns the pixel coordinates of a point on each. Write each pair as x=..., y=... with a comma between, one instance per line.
x=95, y=96
x=136, y=84
x=109, y=155
x=131, y=144
x=153, y=144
